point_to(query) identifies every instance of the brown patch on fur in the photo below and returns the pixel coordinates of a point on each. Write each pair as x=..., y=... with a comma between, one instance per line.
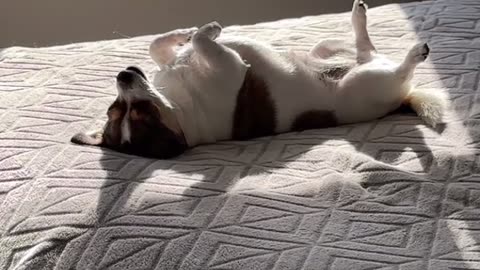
x=112, y=134
x=134, y=115
x=114, y=114
x=314, y=119
x=255, y=111
x=150, y=137
x=116, y=110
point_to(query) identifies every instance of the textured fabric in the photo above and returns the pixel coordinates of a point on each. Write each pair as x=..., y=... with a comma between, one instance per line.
x=388, y=194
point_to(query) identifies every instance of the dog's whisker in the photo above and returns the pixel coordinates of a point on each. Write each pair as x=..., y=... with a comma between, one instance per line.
x=120, y=34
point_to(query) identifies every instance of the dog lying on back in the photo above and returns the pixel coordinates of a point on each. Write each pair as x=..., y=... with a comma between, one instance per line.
x=209, y=88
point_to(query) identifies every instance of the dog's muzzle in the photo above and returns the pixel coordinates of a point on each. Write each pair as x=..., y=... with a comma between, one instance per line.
x=132, y=83
x=128, y=76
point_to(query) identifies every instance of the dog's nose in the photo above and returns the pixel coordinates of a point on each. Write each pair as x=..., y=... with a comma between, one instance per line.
x=126, y=77
x=137, y=70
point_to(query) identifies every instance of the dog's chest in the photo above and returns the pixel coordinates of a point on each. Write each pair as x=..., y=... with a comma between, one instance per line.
x=207, y=102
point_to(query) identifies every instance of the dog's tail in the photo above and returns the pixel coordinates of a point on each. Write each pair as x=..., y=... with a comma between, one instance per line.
x=429, y=104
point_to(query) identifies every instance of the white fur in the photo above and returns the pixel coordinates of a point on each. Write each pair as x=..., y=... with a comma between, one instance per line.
x=201, y=80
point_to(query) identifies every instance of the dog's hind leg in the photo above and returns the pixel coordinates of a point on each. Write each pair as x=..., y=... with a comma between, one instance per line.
x=365, y=48
x=162, y=48
x=415, y=56
x=430, y=105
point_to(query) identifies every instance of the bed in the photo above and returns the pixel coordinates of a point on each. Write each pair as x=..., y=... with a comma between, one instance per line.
x=387, y=194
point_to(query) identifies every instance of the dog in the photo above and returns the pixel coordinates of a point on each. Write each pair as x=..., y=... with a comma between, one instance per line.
x=209, y=88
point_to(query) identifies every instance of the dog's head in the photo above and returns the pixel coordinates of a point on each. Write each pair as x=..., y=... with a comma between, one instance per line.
x=141, y=121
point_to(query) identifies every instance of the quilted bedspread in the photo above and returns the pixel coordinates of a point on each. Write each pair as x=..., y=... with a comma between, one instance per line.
x=389, y=194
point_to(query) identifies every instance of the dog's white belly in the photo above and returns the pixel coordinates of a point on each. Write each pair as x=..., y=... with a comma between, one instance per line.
x=369, y=91
x=293, y=89
x=295, y=94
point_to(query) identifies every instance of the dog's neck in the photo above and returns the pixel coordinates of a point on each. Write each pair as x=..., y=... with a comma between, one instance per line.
x=190, y=129
x=183, y=123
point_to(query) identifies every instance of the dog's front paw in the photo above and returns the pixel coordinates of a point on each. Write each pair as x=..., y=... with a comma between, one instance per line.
x=212, y=30
x=185, y=35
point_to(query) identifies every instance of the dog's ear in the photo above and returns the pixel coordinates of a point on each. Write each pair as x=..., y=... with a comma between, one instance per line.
x=91, y=138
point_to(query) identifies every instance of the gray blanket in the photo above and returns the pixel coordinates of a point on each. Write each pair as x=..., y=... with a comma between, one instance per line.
x=390, y=194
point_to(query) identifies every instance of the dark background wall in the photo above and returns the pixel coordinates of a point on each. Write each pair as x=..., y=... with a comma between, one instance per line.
x=51, y=22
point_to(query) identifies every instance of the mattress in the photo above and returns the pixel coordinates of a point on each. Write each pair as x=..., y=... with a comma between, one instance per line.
x=387, y=194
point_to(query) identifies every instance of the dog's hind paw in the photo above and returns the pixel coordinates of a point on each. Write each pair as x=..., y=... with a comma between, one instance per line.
x=360, y=7
x=425, y=50
x=419, y=53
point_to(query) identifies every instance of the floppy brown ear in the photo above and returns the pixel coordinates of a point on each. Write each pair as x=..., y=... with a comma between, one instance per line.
x=90, y=138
